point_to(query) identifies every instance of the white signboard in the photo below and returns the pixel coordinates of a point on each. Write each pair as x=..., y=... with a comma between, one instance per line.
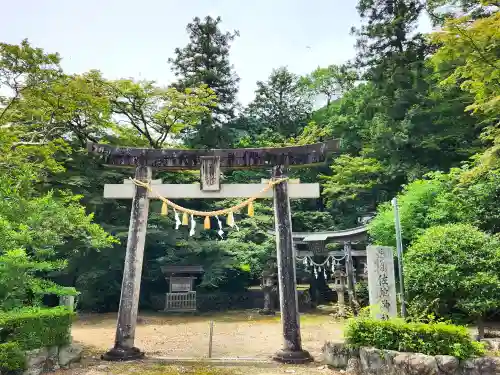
x=180, y=284
x=381, y=280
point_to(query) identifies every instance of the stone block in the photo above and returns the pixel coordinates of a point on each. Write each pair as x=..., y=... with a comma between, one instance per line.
x=36, y=357
x=376, y=362
x=69, y=354
x=492, y=344
x=52, y=362
x=372, y=361
x=401, y=363
x=421, y=364
x=337, y=354
x=447, y=364
x=353, y=367
x=480, y=366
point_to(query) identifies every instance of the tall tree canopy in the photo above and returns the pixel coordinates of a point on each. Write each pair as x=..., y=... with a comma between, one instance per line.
x=205, y=60
x=331, y=82
x=282, y=105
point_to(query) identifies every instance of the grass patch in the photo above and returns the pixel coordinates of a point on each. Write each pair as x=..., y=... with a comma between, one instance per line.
x=163, y=369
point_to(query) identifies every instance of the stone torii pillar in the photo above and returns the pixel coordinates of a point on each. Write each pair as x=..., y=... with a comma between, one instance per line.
x=210, y=162
x=292, y=351
x=131, y=282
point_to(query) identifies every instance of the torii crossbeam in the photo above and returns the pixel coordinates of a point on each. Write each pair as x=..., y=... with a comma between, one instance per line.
x=210, y=162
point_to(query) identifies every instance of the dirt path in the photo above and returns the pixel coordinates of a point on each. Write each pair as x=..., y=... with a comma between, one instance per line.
x=239, y=335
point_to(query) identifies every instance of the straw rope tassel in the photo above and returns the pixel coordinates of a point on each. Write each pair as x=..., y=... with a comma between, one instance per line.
x=206, y=223
x=185, y=219
x=250, y=209
x=230, y=219
x=164, y=209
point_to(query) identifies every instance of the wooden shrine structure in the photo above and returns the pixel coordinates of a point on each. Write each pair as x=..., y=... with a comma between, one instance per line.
x=350, y=255
x=181, y=296
x=210, y=163
x=351, y=241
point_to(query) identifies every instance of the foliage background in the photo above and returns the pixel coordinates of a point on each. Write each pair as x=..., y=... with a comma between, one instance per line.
x=418, y=116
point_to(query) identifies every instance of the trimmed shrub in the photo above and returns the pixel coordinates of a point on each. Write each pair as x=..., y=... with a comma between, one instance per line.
x=396, y=334
x=458, y=265
x=34, y=328
x=12, y=358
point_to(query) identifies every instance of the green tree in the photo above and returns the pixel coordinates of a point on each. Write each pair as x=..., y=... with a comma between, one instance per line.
x=421, y=205
x=457, y=264
x=468, y=56
x=36, y=226
x=205, y=61
x=355, y=187
x=331, y=82
x=23, y=67
x=158, y=114
x=282, y=105
x=75, y=108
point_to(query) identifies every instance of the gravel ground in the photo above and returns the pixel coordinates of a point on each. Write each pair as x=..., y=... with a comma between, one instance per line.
x=160, y=369
x=242, y=334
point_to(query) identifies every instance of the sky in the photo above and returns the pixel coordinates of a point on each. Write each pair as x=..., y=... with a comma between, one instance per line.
x=131, y=38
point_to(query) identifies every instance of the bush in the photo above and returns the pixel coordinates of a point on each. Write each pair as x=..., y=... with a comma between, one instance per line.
x=396, y=334
x=12, y=358
x=458, y=265
x=362, y=293
x=34, y=328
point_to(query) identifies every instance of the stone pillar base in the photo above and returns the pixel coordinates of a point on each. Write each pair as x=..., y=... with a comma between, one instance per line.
x=121, y=354
x=267, y=312
x=298, y=357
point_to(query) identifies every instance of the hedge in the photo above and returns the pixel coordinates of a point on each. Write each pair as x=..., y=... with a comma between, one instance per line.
x=34, y=328
x=396, y=334
x=12, y=358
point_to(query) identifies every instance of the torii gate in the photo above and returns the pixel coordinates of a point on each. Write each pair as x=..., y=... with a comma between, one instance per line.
x=210, y=162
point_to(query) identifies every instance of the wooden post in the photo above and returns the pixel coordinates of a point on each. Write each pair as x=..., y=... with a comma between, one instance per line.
x=350, y=278
x=131, y=284
x=210, y=338
x=292, y=351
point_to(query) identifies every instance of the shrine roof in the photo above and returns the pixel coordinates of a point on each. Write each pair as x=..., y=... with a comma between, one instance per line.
x=344, y=234
x=182, y=269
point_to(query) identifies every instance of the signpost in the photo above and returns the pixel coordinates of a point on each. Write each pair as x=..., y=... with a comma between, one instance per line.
x=381, y=280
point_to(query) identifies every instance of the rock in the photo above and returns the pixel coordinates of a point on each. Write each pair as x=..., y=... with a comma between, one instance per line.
x=52, y=362
x=421, y=364
x=376, y=362
x=467, y=368
x=337, y=354
x=353, y=367
x=492, y=344
x=447, y=364
x=401, y=363
x=481, y=366
x=69, y=354
x=36, y=357
x=35, y=361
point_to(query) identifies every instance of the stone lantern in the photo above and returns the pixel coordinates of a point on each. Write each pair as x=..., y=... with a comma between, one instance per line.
x=340, y=280
x=268, y=286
